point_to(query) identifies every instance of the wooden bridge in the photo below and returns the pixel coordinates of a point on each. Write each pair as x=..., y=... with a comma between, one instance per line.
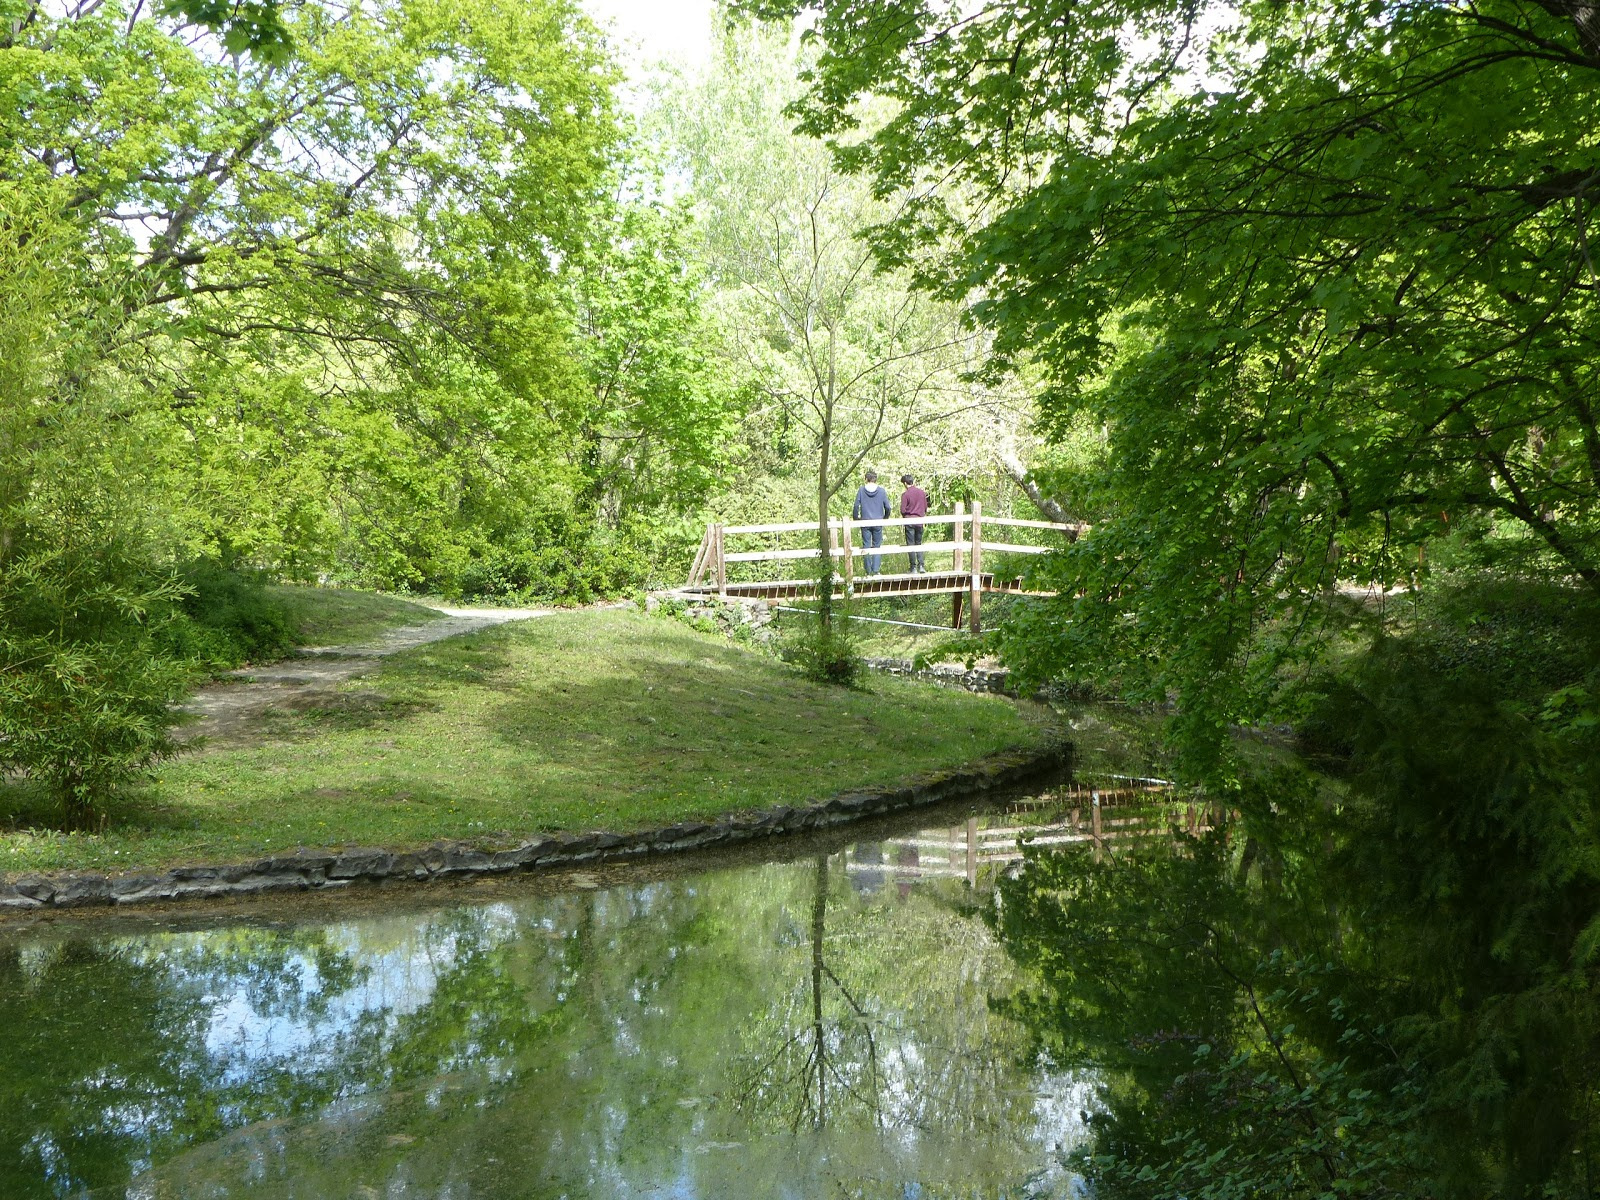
x=967, y=578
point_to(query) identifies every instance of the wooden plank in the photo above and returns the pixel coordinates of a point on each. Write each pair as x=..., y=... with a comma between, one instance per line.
x=958, y=535
x=698, y=569
x=975, y=602
x=1019, y=523
x=849, y=546
x=856, y=551
x=780, y=527
x=798, y=526
x=930, y=584
x=896, y=522
x=771, y=555
x=891, y=548
x=722, y=565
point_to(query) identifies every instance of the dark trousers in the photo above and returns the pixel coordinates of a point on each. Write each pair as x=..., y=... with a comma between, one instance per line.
x=914, y=538
x=872, y=535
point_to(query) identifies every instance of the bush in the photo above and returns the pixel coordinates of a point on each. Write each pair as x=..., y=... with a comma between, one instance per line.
x=85, y=693
x=824, y=652
x=86, y=690
x=226, y=618
x=574, y=564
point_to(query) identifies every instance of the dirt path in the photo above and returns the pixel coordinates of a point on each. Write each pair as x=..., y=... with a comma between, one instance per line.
x=230, y=712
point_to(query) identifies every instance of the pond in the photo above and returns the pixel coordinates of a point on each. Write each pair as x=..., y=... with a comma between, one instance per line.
x=722, y=1026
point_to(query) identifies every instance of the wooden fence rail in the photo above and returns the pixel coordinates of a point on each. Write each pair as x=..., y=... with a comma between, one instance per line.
x=966, y=580
x=1101, y=819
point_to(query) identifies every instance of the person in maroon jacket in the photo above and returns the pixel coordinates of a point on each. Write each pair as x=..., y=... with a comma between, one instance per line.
x=914, y=503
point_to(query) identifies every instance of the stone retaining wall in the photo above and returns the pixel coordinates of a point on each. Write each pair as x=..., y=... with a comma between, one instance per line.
x=731, y=616
x=303, y=870
x=974, y=679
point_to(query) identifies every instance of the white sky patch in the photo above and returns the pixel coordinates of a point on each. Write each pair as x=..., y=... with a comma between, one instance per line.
x=648, y=31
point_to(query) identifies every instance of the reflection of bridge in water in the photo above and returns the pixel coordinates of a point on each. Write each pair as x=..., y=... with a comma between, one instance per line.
x=1121, y=812
x=968, y=578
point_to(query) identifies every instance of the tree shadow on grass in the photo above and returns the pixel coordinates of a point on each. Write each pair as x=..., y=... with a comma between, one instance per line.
x=26, y=807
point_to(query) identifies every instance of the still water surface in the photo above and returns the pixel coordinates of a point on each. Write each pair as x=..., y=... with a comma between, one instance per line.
x=816, y=1027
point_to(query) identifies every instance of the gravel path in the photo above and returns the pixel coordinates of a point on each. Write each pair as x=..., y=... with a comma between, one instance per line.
x=230, y=712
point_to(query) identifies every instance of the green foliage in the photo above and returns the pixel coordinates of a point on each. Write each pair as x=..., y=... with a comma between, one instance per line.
x=85, y=692
x=227, y=618
x=85, y=686
x=380, y=302
x=564, y=558
x=1321, y=272
x=1388, y=989
x=825, y=652
x=247, y=26
x=844, y=366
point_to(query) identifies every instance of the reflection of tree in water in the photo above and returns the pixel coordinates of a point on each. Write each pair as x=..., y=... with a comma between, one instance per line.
x=836, y=1048
x=883, y=1021
x=107, y=1064
x=596, y=1043
x=1387, y=998
x=119, y=1053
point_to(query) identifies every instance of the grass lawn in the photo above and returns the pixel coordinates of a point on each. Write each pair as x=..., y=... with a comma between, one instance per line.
x=339, y=616
x=582, y=720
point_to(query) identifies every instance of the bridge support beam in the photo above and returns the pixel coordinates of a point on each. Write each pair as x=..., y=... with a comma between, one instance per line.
x=974, y=605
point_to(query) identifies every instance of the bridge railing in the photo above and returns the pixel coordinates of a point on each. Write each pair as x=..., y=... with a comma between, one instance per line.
x=972, y=536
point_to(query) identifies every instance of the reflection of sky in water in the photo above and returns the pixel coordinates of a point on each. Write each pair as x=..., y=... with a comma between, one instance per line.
x=604, y=1037
x=397, y=980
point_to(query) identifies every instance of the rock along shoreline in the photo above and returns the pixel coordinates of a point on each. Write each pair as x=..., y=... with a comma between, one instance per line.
x=302, y=869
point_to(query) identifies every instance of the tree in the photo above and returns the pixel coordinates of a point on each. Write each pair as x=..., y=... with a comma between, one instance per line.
x=337, y=277
x=1323, y=271
x=848, y=358
x=85, y=693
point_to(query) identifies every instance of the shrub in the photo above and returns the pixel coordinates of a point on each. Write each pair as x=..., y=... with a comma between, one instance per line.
x=86, y=692
x=825, y=652
x=226, y=618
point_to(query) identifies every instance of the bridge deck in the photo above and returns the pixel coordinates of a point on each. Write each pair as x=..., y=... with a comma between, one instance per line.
x=933, y=583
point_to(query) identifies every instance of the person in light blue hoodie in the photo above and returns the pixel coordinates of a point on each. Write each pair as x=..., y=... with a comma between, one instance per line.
x=872, y=504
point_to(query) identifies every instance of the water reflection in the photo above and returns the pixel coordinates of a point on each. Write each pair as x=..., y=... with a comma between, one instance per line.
x=817, y=1028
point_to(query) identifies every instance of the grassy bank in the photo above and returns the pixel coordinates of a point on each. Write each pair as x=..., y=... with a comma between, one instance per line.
x=574, y=721
x=340, y=616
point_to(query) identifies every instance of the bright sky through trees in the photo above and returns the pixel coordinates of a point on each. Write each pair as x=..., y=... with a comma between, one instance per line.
x=648, y=30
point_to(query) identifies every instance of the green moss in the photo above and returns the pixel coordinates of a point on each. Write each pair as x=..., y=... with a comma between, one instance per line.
x=575, y=721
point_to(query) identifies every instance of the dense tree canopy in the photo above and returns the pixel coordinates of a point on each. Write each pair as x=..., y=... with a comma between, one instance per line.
x=368, y=293
x=1324, y=272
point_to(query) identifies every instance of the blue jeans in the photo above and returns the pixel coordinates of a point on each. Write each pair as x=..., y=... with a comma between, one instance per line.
x=914, y=538
x=872, y=535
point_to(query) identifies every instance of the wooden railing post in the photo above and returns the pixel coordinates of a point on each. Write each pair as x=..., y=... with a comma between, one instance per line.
x=974, y=614
x=722, y=564
x=848, y=537
x=833, y=554
x=698, y=569
x=958, y=530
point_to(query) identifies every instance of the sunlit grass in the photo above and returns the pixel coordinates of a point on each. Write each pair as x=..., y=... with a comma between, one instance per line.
x=578, y=721
x=339, y=616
